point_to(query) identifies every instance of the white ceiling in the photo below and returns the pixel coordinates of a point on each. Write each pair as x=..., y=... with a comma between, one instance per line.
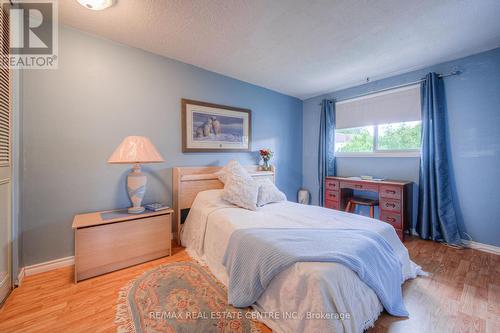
x=301, y=48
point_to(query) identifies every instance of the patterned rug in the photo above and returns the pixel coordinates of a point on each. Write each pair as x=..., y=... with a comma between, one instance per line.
x=179, y=297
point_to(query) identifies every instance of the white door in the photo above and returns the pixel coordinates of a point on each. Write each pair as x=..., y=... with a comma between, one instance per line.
x=5, y=165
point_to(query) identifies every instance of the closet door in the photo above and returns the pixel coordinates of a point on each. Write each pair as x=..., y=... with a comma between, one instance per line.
x=5, y=164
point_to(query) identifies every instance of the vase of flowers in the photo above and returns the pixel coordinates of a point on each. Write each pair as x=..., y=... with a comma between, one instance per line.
x=266, y=155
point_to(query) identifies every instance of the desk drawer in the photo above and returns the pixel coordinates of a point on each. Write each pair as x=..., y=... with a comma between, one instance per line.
x=391, y=218
x=332, y=185
x=332, y=204
x=391, y=192
x=332, y=195
x=359, y=186
x=390, y=204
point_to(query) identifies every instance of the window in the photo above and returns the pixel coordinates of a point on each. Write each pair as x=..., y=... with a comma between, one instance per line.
x=399, y=136
x=381, y=124
x=394, y=137
x=355, y=140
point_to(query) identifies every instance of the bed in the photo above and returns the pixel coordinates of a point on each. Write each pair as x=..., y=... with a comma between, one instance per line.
x=306, y=297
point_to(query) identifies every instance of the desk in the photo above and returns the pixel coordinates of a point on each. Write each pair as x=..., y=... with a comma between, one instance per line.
x=395, y=198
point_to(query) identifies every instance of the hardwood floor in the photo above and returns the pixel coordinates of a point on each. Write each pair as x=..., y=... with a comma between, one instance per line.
x=462, y=294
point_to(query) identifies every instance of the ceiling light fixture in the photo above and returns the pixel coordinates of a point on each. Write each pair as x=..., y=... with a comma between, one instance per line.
x=96, y=4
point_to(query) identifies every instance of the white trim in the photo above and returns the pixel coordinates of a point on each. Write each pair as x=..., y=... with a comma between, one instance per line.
x=20, y=277
x=481, y=247
x=380, y=154
x=49, y=265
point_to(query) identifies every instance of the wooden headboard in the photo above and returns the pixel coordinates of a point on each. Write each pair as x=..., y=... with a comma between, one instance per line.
x=188, y=181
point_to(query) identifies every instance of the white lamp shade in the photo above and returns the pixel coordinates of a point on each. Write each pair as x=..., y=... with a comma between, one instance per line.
x=136, y=149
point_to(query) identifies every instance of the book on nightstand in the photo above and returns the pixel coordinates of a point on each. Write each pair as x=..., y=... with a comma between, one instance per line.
x=156, y=207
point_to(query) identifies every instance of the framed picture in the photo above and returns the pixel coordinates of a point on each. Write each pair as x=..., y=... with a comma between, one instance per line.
x=208, y=127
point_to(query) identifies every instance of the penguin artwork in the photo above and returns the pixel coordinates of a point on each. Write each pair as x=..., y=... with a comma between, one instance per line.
x=216, y=126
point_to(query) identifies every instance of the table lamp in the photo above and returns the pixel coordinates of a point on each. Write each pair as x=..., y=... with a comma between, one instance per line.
x=136, y=150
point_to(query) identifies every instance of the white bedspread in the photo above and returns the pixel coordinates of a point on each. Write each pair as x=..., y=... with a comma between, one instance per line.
x=305, y=290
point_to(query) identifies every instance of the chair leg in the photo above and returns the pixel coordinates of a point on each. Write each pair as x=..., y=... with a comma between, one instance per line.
x=372, y=211
x=348, y=208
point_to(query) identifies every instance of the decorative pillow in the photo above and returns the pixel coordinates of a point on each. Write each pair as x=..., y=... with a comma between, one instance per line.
x=242, y=192
x=268, y=193
x=231, y=170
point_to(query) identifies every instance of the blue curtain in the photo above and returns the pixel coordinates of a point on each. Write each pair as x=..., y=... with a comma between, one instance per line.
x=436, y=213
x=326, y=157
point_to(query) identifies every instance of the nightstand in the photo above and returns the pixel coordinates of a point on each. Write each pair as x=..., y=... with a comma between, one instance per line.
x=111, y=240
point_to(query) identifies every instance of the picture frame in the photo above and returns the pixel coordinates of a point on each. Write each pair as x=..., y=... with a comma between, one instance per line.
x=209, y=127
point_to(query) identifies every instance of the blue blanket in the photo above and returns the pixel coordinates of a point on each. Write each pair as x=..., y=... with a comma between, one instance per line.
x=254, y=256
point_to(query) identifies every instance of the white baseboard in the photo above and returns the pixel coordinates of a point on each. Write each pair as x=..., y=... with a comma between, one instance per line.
x=482, y=247
x=48, y=266
x=20, y=277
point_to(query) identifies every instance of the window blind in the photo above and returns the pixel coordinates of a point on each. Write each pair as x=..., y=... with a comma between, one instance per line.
x=4, y=90
x=394, y=106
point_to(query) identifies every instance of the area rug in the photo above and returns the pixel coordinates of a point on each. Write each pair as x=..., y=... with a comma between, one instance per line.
x=179, y=297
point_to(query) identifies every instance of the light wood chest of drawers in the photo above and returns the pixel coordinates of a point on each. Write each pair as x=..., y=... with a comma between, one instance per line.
x=111, y=240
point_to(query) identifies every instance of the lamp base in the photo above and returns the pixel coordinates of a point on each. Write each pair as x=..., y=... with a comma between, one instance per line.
x=134, y=210
x=136, y=187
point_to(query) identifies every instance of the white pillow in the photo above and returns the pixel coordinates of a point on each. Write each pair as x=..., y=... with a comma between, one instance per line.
x=232, y=169
x=268, y=193
x=242, y=192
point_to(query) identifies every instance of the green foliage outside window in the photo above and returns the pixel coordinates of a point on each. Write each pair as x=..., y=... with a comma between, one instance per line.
x=400, y=136
x=361, y=140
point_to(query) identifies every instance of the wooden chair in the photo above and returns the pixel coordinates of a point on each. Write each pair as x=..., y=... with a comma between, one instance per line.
x=351, y=204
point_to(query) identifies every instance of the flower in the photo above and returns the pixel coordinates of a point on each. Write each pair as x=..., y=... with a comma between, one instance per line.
x=266, y=154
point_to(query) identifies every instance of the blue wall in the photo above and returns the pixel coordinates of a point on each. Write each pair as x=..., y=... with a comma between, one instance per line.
x=74, y=117
x=473, y=100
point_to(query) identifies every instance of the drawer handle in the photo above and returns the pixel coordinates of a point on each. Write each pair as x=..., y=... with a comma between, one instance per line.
x=388, y=204
x=391, y=219
x=390, y=191
x=358, y=186
x=332, y=195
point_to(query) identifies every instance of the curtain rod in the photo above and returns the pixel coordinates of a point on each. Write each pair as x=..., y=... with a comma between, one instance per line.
x=396, y=87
